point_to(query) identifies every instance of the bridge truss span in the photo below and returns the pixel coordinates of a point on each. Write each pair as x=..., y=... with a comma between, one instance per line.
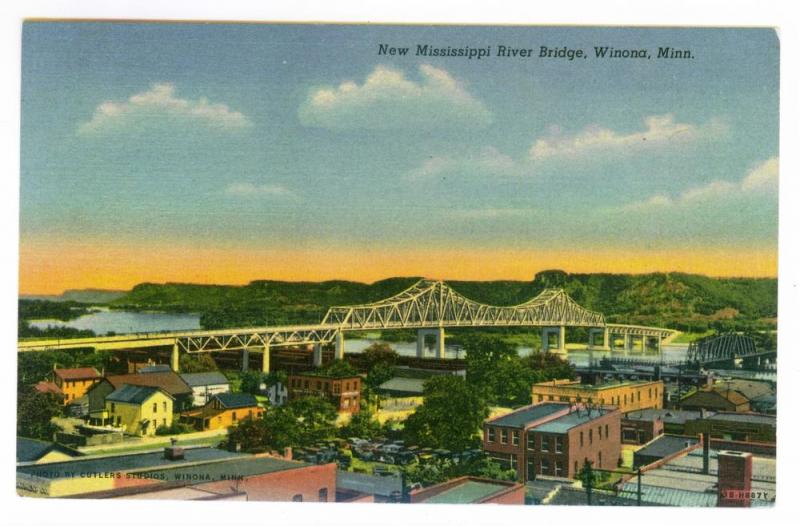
x=431, y=304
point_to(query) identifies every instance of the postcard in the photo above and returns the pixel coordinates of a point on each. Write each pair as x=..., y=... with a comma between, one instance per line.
x=415, y=264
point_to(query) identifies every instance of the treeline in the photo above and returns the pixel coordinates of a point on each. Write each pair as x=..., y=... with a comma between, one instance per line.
x=58, y=310
x=685, y=302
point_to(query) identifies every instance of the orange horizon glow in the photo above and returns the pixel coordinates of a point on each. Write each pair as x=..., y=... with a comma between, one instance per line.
x=48, y=267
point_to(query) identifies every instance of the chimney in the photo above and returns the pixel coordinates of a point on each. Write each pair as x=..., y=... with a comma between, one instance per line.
x=735, y=473
x=706, y=438
x=173, y=452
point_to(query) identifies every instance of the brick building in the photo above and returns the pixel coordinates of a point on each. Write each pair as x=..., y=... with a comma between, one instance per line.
x=554, y=439
x=344, y=392
x=627, y=396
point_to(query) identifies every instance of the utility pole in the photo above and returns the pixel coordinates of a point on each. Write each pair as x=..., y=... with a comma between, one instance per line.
x=588, y=476
x=639, y=486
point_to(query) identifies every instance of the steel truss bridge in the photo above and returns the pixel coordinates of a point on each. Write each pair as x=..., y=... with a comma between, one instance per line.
x=428, y=306
x=723, y=348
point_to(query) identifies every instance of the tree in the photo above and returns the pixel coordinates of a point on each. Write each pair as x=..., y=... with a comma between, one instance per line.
x=338, y=369
x=197, y=363
x=379, y=353
x=251, y=382
x=380, y=372
x=316, y=418
x=362, y=425
x=35, y=411
x=450, y=417
x=439, y=470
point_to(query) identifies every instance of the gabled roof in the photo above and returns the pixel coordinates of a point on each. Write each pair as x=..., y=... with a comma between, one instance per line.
x=79, y=373
x=133, y=394
x=235, y=400
x=48, y=387
x=30, y=450
x=168, y=381
x=200, y=379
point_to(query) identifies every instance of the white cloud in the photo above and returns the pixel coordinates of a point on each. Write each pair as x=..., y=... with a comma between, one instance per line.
x=160, y=102
x=488, y=213
x=389, y=100
x=760, y=181
x=486, y=161
x=256, y=190
x=661, y=131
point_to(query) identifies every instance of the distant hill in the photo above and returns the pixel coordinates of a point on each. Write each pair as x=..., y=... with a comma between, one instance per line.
x=686, y=302
x=93, y=296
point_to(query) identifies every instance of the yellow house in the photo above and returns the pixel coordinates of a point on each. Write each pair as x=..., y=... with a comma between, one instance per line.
x=139, y=409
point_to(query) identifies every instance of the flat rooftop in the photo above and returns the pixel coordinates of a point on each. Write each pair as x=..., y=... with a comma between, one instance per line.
x=749, y=418
x=100, y=466
x=226, y=470
x=670, y=416
x=666, y=445
x=467, y=492
x=521, y=417
x=681, y=481
x=564, y=423
x=595, y=387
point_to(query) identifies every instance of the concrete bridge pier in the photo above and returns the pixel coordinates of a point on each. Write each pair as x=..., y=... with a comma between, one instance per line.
x=339, y=343
x=593, y=333
x=175, y=361
x=561, y=332
x=438, y=333
x=317, y=355
x=265, y=359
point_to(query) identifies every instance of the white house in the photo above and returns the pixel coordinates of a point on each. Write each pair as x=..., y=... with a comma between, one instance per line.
x=206, y=385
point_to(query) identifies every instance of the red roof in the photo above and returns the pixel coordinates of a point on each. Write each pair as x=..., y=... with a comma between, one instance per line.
x=169, y=381
x=48, y=387
x=79, y=373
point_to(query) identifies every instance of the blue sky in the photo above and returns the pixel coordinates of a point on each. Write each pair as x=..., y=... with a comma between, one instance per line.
x=253, y=136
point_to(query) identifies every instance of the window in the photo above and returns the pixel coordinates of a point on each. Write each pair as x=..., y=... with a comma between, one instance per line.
x=233, y=416
x=638, y=396
x=323, y=495
x=155, y=407
x=606, y=430
x=544, y=468
x=599, y=459
x=578, y=399
x=531, y=441
x=563, y=398
x=558, y=468
x=515, y=438
x=649, y=392
x=531, y=469
x=545, y=444
x=305, y=386
x=576, y=467
x=490, y=434
x=297, y=498
x=119, y=420
x=164, y=422
x=347, y=386
x=590, y=437
x=581, y=438
x=165, y=407
x=559, y=445
x=504, y=436
x=319, y=385
x=541, y=398
x=626, y=399
x=113, y=407
x=600, y=433
x=550, y=397
x=345, y=402
x=512, y=461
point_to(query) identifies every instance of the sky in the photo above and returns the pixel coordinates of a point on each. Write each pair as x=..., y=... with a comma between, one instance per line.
x=224, y=153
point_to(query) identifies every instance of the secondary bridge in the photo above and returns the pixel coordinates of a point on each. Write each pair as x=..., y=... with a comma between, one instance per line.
x=428, y=306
